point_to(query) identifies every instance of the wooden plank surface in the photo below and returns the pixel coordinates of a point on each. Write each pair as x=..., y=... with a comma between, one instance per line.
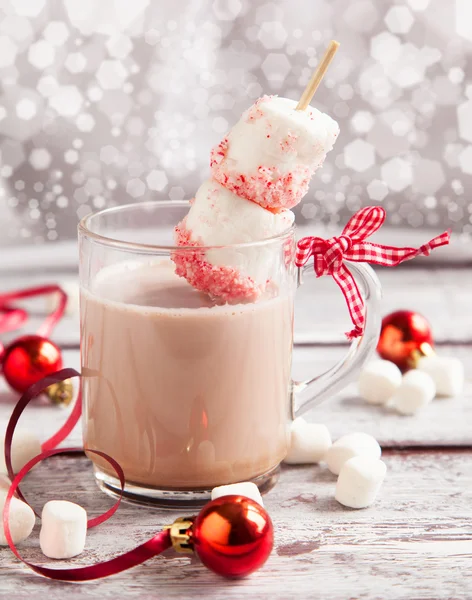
x=441, y=295
x=446, y=421
x=415, y=542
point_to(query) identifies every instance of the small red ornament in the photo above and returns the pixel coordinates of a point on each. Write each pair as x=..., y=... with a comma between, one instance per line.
x=233, y=536
x=28, y=359
x=405, y=335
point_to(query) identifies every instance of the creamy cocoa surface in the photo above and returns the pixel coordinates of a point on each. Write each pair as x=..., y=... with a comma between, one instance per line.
x=184, y=394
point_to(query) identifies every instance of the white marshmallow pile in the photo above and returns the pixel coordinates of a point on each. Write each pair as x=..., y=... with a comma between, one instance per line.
x=25, y=446
x=309, y=442
x=381, y=382
x=355, y=457
x=63, y=529
x=350, y=445
x=245, y=488
x=260, y=170
x=21, y=519
x=359, y=481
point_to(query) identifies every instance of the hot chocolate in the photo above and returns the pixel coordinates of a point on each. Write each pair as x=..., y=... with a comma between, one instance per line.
x=183, y=393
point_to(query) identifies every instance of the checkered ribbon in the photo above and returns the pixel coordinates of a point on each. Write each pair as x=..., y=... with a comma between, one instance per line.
x=329, y=256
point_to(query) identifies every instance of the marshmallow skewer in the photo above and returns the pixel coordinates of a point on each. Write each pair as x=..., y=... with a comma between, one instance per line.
x=318, y=75
x=260, y=170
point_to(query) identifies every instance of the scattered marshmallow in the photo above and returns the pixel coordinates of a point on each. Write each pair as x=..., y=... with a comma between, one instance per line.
x=359, y=481
x=25, y=446
x=447, y=373
x=378, y=381
x=347, y=446
x=71, y=288
x=416, y=391
x=63, y=529
x=245, y=488
x=21, y=520
x=309, y=442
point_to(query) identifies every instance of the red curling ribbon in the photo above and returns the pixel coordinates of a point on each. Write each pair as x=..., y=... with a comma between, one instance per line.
x=12, y=318
x=32, y=392
x=329, y=256
x=48, y=446
x=7, y=322
x=156, y=545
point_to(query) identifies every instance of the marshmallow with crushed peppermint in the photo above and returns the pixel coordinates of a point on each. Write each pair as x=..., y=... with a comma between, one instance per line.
x=218, y=217
x=272, y=152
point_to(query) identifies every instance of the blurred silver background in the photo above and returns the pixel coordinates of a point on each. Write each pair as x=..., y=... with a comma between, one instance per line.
x=115, y=101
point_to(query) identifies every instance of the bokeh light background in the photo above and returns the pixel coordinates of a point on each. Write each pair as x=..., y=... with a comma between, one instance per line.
x=113, y=101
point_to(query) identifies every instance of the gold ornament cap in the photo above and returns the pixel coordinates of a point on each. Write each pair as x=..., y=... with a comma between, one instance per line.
x=425, y=349
x=181, y=534
x=60, y=393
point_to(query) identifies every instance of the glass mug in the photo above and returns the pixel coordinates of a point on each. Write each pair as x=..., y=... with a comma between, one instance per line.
x=186, y=394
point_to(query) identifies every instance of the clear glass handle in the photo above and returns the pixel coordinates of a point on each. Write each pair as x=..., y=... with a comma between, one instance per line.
x=307, y=394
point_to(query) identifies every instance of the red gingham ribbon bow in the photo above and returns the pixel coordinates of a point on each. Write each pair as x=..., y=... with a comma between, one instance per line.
x=329, y=256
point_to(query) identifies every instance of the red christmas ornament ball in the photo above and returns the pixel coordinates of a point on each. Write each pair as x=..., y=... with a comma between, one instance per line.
x=404, y=333
x=233, y=536
x=28, y=359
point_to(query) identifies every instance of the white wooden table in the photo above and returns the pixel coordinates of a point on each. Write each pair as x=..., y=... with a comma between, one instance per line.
x=415, y=542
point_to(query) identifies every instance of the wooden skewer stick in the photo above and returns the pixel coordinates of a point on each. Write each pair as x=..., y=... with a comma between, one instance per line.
x=318, y=75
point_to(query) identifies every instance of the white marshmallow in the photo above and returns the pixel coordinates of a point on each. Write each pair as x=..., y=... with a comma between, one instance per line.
x=218, y=217
x=416, y=391
x=447, y=373
x=309, y=442
x=270, y=141
x=359, y=481
x=378, y=380
x=63, y=529
x=25, y=446
x=350, y=445
x=21, y=520
x=245, y=488
x=72, y=289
